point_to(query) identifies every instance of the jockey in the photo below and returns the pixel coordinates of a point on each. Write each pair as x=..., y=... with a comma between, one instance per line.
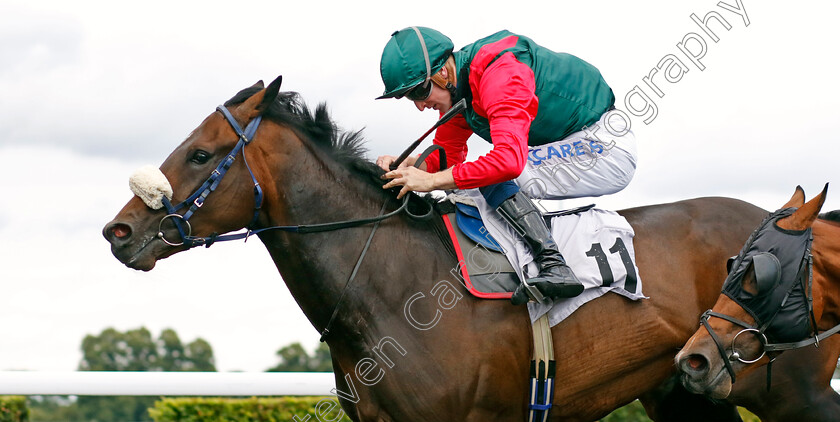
x=518, y=94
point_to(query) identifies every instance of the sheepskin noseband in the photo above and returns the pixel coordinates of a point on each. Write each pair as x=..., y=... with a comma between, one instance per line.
x=150, y=184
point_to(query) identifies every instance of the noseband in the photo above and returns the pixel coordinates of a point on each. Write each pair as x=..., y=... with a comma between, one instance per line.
x=734, y=356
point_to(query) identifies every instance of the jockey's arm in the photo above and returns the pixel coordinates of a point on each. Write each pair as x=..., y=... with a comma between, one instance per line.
x=506, y=93
x=452, y=136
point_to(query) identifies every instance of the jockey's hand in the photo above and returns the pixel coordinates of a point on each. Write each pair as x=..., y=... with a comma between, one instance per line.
x=411, y=179
x=414, y=179
x=384, y=162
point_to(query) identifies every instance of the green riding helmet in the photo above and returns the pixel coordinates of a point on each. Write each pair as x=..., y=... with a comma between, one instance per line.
x=411, y=57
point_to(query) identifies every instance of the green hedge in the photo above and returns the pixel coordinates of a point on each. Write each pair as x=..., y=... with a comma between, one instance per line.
x=635, y=412
x=279, y=409
x=283, y=409
x=13, y=409
x=747, y=416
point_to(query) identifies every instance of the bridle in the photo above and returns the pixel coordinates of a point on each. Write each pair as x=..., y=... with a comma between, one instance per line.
x=804, y=277
x=197, y=199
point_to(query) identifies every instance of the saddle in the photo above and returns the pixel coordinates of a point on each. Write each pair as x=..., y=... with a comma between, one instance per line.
x=483, y=267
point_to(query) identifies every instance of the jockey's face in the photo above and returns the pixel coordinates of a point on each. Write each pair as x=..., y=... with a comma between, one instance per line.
x=440, y=99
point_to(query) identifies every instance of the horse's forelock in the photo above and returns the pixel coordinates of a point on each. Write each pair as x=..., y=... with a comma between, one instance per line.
x=243, y=95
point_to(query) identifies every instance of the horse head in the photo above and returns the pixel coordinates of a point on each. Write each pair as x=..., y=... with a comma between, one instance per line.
x=771, y=301
x=173, y=209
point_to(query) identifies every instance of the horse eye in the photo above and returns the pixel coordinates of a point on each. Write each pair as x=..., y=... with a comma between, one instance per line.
x=200, y=157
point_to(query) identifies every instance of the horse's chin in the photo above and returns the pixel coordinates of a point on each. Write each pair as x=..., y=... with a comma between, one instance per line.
x=144, y=257
x=718, y=387
x=141, y=263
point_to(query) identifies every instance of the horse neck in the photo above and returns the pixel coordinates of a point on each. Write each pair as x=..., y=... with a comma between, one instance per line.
x=310, y=187
x=826, y=251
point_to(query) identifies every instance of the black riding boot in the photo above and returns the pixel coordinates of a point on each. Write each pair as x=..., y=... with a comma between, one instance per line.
x=556, y=279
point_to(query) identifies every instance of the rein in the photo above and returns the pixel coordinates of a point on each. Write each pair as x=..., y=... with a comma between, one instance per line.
x=805, y=276
x=326, y=331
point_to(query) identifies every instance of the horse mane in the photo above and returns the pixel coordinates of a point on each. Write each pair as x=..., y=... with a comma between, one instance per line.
x=833, y=216
x=347, y=148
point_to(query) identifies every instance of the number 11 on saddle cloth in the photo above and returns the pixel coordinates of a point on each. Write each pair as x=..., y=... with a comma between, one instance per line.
x=597, y=244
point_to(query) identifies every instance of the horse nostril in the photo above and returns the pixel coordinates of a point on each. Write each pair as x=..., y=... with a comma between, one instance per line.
x=696, y=363
x=120, y=231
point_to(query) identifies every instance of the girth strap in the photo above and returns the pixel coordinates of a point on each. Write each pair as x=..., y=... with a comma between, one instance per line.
x=543, y=371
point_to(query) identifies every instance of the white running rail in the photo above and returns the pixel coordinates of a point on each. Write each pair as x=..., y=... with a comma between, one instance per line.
x=102, y=383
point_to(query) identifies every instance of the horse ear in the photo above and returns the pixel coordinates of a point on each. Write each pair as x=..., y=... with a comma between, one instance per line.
x=260, y=101
x=803, y=217
x=259, y=84
x=797, y=200
x=270, y=94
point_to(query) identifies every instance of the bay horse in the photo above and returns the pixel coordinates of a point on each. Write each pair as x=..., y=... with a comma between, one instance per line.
x=782, y=293
x=408, y=343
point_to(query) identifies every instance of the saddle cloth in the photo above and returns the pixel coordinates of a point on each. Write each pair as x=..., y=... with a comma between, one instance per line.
x=597, y=244
x=482, y=268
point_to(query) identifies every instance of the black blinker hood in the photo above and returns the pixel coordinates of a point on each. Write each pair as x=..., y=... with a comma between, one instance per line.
x=780, y=308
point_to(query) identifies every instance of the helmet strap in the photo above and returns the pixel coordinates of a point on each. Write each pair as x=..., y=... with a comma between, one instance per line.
x=450, y=82
x=452, y=92
x=425, y=55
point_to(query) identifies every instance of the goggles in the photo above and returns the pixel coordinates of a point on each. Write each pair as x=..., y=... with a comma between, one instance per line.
x=420, y=92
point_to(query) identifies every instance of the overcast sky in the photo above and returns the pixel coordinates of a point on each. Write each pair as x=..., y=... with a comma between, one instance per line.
x=89, y=91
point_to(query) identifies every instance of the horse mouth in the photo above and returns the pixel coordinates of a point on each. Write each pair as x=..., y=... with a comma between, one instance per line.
x=145, y=256
x=717, y=387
